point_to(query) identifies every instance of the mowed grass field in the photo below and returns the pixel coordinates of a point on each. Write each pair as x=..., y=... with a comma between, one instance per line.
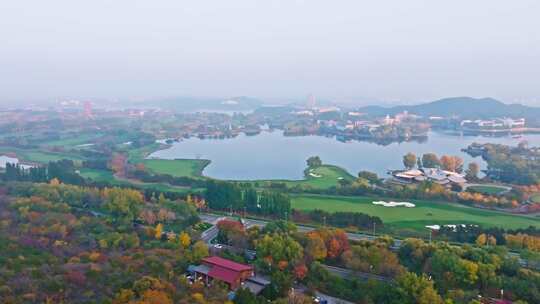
x=326, y=176
x=107, y=176
x=37, y=156
x=71, y=141
x=98, y=175
x=176, y=167
x=425, y=212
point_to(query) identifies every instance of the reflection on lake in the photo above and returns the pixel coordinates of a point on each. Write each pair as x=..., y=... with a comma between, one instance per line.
x=271, y=155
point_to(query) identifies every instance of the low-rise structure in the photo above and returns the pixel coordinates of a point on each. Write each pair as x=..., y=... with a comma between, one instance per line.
x=436, y=175
x=494, y=125
x=233, y=274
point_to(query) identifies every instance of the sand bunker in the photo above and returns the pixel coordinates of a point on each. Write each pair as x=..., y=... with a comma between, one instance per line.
x=394, y=204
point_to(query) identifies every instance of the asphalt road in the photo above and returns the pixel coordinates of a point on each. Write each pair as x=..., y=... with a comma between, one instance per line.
x=350, y=274
x=213, y=218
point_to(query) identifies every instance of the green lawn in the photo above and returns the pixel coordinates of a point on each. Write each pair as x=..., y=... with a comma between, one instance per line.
x=323, y=177
x=425, y=212
x=107, y=176
x=39, y=156
x=137, y=155
x=177, y=167
x=487, y=189
x=98, y=175
x=73, y=140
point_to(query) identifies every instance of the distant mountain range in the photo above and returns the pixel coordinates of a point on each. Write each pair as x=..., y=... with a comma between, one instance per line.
x=463, y=107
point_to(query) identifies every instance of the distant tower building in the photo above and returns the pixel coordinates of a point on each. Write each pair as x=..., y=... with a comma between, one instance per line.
x=311, y=102
x=88, y=109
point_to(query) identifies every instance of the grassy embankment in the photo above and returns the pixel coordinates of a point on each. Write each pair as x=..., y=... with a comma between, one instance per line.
x=425, y=212
x=177, y=167
x=322, y=177
x=487, y=189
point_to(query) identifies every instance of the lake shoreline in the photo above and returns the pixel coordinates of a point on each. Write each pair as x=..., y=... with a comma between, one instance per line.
x=274, y=156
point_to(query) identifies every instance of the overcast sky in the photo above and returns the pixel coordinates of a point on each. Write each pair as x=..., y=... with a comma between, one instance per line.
x=413, y=50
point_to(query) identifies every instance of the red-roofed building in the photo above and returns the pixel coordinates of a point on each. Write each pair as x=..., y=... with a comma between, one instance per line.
x=217, y=268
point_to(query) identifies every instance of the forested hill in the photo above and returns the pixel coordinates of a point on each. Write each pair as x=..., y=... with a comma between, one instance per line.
x=464, y=107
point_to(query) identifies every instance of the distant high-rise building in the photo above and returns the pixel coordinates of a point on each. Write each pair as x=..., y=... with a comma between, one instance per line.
x=88, y=109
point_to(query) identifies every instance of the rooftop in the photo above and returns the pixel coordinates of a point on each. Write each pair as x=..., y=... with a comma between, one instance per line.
x=227, y=264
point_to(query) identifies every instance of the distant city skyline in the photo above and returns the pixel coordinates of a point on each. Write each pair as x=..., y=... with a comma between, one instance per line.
x=362, y=52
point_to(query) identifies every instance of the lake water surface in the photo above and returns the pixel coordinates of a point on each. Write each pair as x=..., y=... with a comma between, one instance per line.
x=271, y=155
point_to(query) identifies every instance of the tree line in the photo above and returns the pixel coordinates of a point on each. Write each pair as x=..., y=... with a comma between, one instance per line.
x=221, y=195
x=63, y=170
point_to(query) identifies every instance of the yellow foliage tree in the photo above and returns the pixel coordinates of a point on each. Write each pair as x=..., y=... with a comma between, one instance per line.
x=124, y=296
x=155, y=297
x=185, y=240
x=198, y=298
x=103, y=243
x=481, y=240
x=158, y=231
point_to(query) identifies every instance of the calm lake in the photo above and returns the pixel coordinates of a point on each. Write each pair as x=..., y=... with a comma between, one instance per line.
x=270, y=155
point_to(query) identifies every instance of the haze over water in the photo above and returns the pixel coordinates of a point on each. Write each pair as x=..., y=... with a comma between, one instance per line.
x=271, y=155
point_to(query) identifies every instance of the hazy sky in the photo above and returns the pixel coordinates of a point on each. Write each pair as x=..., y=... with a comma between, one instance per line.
x=341, y=50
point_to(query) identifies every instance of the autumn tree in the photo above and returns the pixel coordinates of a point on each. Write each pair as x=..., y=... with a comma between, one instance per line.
x=158, y=231
x=232, y=232
x=185, y=239
x=409, y=160
x=481, y=240
x=118, y=164
x=148, y=217
x=122, y=203
x=452, y=163
x=300, y=271
x=430, y=160
x=199, y=251
x=275, y=248
x=472, y=171
x=417, y=289
x=315, y=247
x=372, y=257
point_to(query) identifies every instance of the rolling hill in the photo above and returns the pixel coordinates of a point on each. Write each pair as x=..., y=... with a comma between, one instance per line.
x=463, y=107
